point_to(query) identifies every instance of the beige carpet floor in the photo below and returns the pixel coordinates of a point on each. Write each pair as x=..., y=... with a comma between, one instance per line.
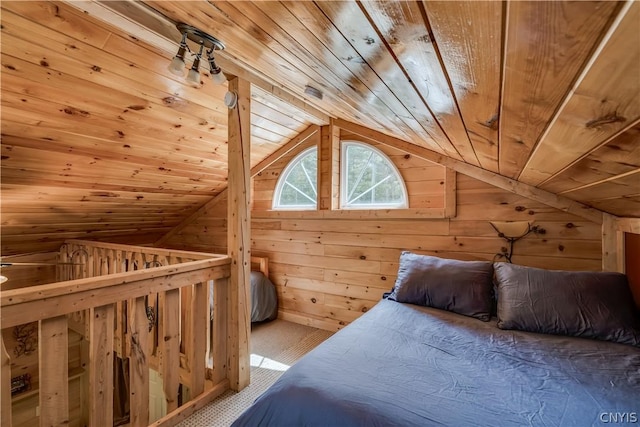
x=274, y=347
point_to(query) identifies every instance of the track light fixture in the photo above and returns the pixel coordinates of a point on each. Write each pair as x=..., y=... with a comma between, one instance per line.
x=204, y=40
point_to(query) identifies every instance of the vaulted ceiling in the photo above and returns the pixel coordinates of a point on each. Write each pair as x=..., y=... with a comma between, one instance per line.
x=100, y=140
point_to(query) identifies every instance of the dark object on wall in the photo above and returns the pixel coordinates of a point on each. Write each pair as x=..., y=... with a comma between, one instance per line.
x=26, y=339
x=20, y=384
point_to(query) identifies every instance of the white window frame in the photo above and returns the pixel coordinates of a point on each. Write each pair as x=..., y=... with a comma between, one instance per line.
x=282, y=180
x=343, y=180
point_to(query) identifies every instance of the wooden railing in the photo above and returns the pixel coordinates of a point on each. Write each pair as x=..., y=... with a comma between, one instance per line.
x=157, y=309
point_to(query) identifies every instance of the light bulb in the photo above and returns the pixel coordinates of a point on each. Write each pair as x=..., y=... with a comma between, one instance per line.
x=177, y=66
x=193, y=77
x=219, y=77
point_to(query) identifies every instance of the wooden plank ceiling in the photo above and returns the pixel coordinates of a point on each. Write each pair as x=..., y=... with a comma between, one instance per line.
x=100, y=140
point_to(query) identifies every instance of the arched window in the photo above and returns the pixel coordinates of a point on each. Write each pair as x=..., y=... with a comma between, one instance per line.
x=297, y=187
x=369, y=180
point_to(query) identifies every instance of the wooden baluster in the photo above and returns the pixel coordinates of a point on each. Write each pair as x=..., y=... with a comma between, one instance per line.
x=53, y=346
x=5, y=386
x=197, y=345
x=101, y=366
x=186, y=294
x=171, y=348
x=219, y=329
x=139, y=364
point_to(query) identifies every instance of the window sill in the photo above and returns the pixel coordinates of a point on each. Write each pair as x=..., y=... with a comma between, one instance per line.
x=424, y=213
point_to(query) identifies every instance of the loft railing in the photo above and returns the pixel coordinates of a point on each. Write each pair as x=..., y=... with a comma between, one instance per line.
x=153, y=308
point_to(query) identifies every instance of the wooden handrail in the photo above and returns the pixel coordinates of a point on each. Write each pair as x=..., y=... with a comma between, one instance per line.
x=145, y=249
x=25, y=305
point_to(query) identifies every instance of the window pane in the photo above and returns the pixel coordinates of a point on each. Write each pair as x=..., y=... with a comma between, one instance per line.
x=297, y=187
x=370, y=179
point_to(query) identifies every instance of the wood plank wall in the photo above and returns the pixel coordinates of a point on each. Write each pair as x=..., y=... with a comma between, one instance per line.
x=329, y=271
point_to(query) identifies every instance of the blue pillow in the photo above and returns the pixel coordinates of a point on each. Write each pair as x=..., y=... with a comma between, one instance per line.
x=576, y=303
x=464, y=287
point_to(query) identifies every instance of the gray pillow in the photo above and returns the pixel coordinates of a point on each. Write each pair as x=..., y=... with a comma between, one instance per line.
x=576, y=303
x=463, y=287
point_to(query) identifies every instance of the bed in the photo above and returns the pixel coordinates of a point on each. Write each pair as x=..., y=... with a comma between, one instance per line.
x=404, y=364
x=264, y=299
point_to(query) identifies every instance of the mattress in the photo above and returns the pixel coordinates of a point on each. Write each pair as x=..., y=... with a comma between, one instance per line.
x=405, y=365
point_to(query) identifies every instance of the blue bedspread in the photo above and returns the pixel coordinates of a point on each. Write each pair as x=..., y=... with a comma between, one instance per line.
x=404, y=365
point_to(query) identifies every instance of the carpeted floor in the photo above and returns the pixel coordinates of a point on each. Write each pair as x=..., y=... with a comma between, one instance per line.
x=274, y=347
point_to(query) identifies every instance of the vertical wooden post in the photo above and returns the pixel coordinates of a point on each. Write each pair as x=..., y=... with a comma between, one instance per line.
x=5, y=386
x=220, y=329
x=53, y=348
x=101, y=366
x=612, y=244
x=138, y=364
x=238, y=234
x=329, y=167
x=197, y=346
x=450, y=193
x=171, y=348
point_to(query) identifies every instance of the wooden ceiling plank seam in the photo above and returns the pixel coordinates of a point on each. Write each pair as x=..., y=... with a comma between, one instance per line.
x=61, y=126
x=361, y=37
x=612, y=178
x=547, y=46
x=266, y=101
x=78, y=51
x=525, y=190
x=273, y=104
x=255, y=170
x=628, y=185
x=11, y=138
x=590, y=152
x=345, y=70
x=290, y=46
x=620, y=155
x=414, y=99
x=410, y=88
x=477, y=94
x=82, y=181
x=178, y=136
x=578, y=103
x=264, y=110
x=624, y=206
x=137, y=18
x=268, y=123
x=251, y=47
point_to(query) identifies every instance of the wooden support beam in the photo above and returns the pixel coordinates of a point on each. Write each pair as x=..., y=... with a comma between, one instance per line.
x=53, y=354
x=238, y=237
x=559, y=202
x=329, y=167
x=612, y=245
x=629, y=225
x=101, y=365
x=5, y=385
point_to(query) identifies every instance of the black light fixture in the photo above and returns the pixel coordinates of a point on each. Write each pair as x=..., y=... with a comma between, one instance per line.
x=203, y=40
x=512, y=231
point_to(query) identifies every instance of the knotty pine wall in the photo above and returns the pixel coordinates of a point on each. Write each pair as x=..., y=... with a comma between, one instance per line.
x=329, y=268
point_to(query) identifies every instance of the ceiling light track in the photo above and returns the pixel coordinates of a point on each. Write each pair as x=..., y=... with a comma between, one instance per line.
x=204, y=41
